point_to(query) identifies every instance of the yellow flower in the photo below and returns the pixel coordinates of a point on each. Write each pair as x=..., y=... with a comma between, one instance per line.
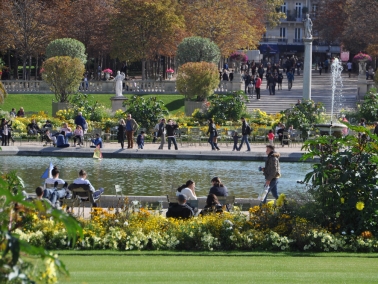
x=360, y=205
x=342, y=200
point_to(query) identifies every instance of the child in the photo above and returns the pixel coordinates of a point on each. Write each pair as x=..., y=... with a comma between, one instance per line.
x=140, y=140
x=236, y=141
x=271, y=137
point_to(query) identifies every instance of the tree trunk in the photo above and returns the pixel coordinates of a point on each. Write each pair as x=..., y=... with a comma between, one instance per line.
x=15, y=67
x=143, y=69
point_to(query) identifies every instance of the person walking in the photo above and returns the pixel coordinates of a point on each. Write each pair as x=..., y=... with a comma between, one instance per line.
x=171, y=128
x=349, y=66
x=121, y=132
x=258, y=86
x=131, y=127
x=160, y=132
x=246, y=131
x=290, y=79
x=247, y=81
x=320, y=67
x=212, y=131
x=271, y=171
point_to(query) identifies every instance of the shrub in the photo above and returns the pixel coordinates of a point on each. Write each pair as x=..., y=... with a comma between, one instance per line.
x=67, y=47
x=197, y=49
x=369, y=107
x=3, y=93
x=197, y=80
x=64, y=75
x=146, y=112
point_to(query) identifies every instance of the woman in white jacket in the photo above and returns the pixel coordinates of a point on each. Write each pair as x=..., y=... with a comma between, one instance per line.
x=188, y=189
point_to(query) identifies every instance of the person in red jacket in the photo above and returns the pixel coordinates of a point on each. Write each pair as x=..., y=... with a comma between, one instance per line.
x=258, y=85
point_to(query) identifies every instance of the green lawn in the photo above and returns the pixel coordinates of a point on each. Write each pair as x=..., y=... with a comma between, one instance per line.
x=39, y=102
x=162, y=267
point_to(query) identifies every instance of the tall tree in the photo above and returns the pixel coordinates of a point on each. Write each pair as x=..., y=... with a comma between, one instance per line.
x=231, y=24
x=360, y=29
x=143, y=29
x=26, y=26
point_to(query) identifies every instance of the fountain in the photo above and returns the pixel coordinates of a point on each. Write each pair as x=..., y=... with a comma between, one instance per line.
x=334, y=127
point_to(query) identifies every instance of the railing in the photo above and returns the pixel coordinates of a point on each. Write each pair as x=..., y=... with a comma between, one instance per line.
x=108, y=87
x=298, y=40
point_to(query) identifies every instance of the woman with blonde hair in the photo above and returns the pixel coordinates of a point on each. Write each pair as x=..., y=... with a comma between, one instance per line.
x=121, y=132
x=78, y=134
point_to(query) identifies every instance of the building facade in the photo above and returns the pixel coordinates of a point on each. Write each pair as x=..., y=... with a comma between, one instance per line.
x=286, y=39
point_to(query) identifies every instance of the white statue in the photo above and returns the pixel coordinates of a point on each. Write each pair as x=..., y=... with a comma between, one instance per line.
x=362, y=67
x=307, y=27
x=119, y=83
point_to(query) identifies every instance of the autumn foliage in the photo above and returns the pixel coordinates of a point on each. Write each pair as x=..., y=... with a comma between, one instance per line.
x=197, y=80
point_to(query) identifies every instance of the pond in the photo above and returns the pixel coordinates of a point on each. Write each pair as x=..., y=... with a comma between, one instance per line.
x=150, y=177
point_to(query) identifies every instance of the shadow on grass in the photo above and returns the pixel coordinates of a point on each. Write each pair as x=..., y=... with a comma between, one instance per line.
x=175, y=105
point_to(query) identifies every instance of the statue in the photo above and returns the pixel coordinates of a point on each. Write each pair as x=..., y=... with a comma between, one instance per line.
x=307, y=27
x=362, y=67
x=119, y=83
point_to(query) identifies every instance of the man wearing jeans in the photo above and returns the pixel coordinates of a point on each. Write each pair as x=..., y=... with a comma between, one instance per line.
x=246, y=130
x=271, y=171
x=171, y=128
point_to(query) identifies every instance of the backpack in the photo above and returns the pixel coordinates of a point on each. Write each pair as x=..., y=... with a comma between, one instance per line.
x=248, y=129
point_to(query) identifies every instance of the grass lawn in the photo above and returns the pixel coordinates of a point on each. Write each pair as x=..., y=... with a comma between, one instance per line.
x=42, y=102
x=165, y=267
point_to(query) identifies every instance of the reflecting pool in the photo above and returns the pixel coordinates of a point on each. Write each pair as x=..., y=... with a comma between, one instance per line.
x=156, y=177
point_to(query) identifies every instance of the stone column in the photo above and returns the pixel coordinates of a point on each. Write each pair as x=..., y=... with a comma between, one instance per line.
x=117, y=102
x=361, y=81
x=307, y=69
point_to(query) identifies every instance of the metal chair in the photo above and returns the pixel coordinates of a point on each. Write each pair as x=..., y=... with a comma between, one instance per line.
x=85, y=195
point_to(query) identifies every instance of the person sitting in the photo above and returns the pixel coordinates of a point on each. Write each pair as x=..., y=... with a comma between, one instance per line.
x=188, y=189
x=82, y=180
x=39, y=191
x=33, y=128
x=61, y=141
x=47, y=124
x=78, y=134
x=12, y=113
x=54, y=193
x=21, y=112
x=48, y=138
x=218, y=188
x=68, y=132
x=180, y=209
x=212, y=205
x=96, y=141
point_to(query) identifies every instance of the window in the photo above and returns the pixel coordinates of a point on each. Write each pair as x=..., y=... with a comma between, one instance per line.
x=282, y=32
x=298, y=10
x=298, y=35
x=283, y=8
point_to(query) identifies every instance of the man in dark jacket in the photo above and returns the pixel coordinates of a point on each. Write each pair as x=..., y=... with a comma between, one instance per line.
x=272, y=171
x=246, y=131
x=180, y=209
x=171, y=128
x=247, y=81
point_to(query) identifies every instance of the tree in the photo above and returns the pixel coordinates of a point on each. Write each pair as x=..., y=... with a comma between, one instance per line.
x=3, y=93
x=63, y=74
x=197, y=49
x=146, y=112
x=231, y=24
x=197, y=79
x=143, y=29
x=360, y=30
x=27, y=27
x=66, y=47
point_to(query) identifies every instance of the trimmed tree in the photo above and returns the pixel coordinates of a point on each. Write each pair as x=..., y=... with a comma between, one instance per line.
x=197, y=80
x=197, y=49
x=67, y=47
x=63, y=74
x=3, y=93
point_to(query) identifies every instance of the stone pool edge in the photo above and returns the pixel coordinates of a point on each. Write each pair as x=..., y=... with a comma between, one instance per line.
x=147, y=154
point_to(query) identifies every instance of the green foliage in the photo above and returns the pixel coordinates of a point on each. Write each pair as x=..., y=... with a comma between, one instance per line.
x=146, y=112
x=369, y=108
x=66, y=47
x=303, y=116
x=197, y=49
x=197, y=80
x=3, y=93
x=227, y=107
x=344, y=182
x=90, y=108
x=14, y=215
x=63, y=74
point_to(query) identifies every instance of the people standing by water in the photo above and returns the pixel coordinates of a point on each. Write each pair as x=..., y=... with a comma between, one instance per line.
x=131, y=127
x=121, y=132
x=213, y=134
x=5, y=131
x=171, y=128
x=235, y=137
x=258, y=86
x=271, y=171
x=160, y=132
x=246, y=131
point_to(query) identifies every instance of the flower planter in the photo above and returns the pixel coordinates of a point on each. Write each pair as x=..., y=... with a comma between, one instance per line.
x=107, y=76
x=56, y=106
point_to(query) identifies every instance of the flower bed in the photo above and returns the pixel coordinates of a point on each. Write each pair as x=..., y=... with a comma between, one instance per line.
x=362, y=57
x=266, y=228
